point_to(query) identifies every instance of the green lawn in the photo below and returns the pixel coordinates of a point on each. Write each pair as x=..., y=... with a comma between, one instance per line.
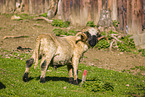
x=100, y=82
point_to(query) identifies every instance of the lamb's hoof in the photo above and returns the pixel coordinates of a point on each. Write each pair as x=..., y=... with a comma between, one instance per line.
x=75, y=82
x=42, y=80
x=71, y=80
x=25, y=77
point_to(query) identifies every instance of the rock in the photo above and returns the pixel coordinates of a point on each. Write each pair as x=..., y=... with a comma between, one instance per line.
x=14, y=17
x=139, y=40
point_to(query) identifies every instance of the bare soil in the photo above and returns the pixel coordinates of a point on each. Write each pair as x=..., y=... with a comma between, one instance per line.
x=118, y=61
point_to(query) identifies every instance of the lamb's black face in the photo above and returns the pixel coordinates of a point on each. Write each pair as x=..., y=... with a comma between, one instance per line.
x=92, y=39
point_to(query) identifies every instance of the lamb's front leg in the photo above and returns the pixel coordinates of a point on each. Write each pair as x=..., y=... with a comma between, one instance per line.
x=75, y=62
x=70, y=67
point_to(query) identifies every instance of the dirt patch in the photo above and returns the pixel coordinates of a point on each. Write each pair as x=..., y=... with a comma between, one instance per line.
x=115, y=60
x=118, y=61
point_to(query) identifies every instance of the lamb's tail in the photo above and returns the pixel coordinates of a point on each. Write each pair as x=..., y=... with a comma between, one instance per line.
x=36, y=51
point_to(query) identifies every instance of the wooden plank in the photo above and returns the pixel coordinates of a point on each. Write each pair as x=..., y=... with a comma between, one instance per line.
x=77, y=12
x=26, y=6
x=91, y=9
x=125, y=16
x=4, y=6
x=59, y=11
x=7, y=6
x=96, y=16
x=1, y=3
x=65, y=10
x=30, y=7
x=75, y=16
x=62, y=10
x=109, y=4
x=45, y=4
x=36, y=7
x=99, y=8
x=39, y=6
x=136, y=17
x=72, y=12
x=83, y=13
x=114, y=10
x=104, y=4
x=143, y=16
x=120, y=13
x=42, y=6
x=129, y=16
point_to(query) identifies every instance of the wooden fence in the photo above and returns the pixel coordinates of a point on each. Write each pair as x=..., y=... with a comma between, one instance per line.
x=130, y=13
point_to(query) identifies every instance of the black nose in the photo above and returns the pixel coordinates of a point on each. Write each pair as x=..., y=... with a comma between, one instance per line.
x=93, y=40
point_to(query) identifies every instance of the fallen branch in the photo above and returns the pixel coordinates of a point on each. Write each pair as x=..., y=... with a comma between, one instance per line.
x=111, y=44
x=43, y=18
x=103, y=37
x=21, y=36
x=114, y=40
x=113, y=36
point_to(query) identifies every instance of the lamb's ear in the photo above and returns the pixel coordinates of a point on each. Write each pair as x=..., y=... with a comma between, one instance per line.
x=81, y=36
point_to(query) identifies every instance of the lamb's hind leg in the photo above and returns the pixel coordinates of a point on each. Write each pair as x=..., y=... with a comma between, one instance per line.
x=45, y=62
x=28, y=65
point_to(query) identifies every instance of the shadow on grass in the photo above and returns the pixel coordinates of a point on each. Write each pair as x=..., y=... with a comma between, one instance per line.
x=54, y=78
x=30, y=78
x=2, y=86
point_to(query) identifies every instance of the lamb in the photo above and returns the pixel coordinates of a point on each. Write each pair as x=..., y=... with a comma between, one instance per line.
x=65, y=50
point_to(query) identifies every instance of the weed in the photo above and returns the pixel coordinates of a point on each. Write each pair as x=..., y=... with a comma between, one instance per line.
x=90, y=24
x=72, y=32
x=60, y=32
x=98, y=86
x=142, y=51
x=44, y=14
x=24, y=16
x=142, y=68
x=102, y=44
x=0, y=28
x=115, y=23
x=60, y=23
x=128, y=44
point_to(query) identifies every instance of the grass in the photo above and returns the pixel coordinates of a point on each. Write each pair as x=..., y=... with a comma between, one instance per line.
x=100, y=82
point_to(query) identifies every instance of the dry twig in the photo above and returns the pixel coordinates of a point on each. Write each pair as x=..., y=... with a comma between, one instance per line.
x=20, y=36
x=43, y=18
